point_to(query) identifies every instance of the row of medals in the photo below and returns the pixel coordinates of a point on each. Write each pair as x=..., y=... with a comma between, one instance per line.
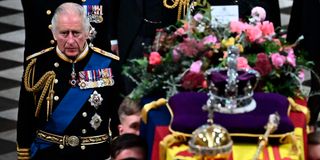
x=99, y=82
x=95, y=98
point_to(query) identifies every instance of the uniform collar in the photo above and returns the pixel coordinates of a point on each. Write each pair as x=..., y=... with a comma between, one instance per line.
x=67, y=59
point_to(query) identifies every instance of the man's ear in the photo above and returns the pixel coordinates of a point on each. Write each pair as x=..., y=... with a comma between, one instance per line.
x=54, y=37
x=120, y=129
x=53, y=33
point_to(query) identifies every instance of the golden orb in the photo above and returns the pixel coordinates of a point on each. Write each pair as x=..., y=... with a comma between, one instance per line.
x=211, y=140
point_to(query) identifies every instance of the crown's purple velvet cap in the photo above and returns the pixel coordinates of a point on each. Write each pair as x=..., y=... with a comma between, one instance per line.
x=188, y=114
x=219, y=77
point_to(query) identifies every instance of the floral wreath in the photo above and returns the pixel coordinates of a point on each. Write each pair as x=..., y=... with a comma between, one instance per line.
x=181, y=54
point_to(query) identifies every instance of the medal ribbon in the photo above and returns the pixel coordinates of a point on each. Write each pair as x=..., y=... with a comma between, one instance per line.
x=69, y=106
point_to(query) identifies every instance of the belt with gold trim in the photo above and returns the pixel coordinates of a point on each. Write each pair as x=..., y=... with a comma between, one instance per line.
x=71, y=140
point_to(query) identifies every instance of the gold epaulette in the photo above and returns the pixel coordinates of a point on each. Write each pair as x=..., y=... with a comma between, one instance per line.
x=39, y=53
x=105, y=53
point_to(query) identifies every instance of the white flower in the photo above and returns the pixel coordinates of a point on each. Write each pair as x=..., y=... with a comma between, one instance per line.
x=201, y=28
x=258, y=14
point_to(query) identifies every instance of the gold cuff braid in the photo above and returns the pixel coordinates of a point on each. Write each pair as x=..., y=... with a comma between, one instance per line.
x=45, y=83
x=23, y=153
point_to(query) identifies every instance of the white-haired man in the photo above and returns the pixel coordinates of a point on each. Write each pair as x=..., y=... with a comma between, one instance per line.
x=69, y=94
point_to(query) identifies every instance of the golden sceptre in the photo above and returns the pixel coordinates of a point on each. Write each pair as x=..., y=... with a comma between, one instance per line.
x=272, y=125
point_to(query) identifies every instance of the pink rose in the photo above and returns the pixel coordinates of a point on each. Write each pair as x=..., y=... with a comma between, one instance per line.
x=242, y=63
x=176, y=55
x=284, y=36
x=189, y=47
x=154, y=58
x=237, y=26
x=260, y=40
x=196, y=66
x=198, y=17
x=291, y=58
x=253, y=32
x=301, y=75
x=200, y=46
x=258, y=13
x=185, y=26
x=277, y=60
x=209, y=39
x=267, y=28
x=180, y=32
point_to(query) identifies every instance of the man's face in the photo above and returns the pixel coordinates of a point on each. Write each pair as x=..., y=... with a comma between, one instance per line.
x=130, y=124
x=131, y=153
x=314, y=151
x=70, y=34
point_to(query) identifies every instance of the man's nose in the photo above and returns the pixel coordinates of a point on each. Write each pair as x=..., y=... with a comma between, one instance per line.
x=70, y=38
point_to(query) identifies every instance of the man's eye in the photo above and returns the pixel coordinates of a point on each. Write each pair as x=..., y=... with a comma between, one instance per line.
x=76, y=34
x=64, y=34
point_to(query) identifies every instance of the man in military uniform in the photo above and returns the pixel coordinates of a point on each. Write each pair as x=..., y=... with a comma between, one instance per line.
x=38, y=14
x=68, y=95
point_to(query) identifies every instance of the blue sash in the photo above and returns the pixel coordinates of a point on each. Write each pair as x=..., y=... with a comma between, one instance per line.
x=69, y=106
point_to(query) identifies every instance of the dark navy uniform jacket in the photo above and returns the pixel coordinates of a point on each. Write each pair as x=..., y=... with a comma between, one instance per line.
x=28, y=124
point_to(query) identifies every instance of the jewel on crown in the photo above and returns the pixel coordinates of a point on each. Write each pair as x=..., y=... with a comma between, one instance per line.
x=231, y=89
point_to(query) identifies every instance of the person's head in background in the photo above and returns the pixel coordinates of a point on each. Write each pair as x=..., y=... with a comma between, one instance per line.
x=129, y=115
x=314, y=145
x=128, y=147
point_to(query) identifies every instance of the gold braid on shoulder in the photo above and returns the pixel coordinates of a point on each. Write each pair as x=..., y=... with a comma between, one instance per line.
x=45, y=84
x=182, y=4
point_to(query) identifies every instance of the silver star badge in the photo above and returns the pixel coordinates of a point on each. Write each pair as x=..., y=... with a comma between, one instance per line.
x=95, y=99
x=95, y=121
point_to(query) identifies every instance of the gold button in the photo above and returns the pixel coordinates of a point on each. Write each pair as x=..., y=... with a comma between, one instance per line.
x=56, y=64
x=56, y=81
x=50, y=26
x=52, y=41
x=83, y=0
x=83, y=147
x=84, y=114
x=61, y=146
x=84, y=131
x=48, y=12
x=56, y=98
